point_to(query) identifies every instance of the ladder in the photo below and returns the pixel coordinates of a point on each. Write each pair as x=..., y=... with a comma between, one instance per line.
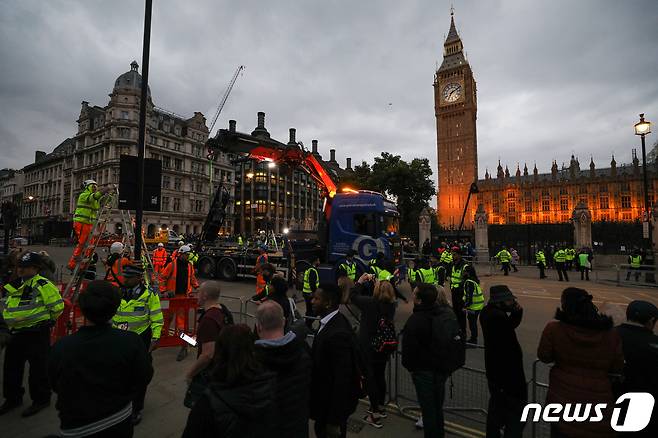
x=129, y=242
x=89, y=248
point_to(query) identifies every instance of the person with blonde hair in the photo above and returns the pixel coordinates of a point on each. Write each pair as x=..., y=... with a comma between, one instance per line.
x=376, y=311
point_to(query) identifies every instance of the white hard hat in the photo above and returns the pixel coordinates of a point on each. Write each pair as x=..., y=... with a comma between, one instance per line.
x=160, y=245
x=116, y=248
x=184, y=249
x=89, y=181
x=180, y=243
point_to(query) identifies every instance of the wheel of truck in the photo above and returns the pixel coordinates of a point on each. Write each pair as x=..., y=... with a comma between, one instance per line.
x=206, y=267
x=228, y=270
x=301, y=266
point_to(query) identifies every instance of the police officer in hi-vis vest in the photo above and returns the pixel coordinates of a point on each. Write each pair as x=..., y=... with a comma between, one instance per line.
x=348, y=267
x=311, y=283
x=32, y=307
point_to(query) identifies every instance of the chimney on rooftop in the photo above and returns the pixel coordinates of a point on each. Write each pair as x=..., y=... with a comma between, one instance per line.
x=293, y=133
x=260, y=130
x=39, y=155
x=231, y=126
x=349, y=164
x=332, y=155
x=315, y=146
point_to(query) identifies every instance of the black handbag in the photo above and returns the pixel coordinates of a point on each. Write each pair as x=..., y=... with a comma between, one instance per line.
x=196, y=389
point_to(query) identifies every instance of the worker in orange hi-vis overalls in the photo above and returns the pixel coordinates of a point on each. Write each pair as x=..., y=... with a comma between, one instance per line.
x=178, y=279
x=261, y=261
x=159, y=258
x=84, y=217
x=115, y=263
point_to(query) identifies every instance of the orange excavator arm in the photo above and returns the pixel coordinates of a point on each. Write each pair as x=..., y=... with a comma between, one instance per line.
x=264, y=148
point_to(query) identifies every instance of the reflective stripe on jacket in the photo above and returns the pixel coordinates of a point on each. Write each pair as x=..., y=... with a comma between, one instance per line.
x=350, y=269
x=473, y=297
x=456, y=276
x=168, y=278
x=86, y=209
x=540, y=257
x=383, y=274
x=504, y=256
x=560, y=256
x=636, y=261
x=307, y=282
x=159, y=256
x=35, y=301
x=446, y=257
x=427, y=276
x=138, y=314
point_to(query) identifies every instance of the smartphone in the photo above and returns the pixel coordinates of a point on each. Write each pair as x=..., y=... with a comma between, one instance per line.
x=189, y=339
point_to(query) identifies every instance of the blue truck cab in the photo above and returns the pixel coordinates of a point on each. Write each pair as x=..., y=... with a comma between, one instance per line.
x=366, y=222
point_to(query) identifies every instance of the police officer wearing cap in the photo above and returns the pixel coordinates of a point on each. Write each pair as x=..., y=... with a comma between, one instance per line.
x=640, y=345
x=32, y=306
x=139, y=312
x=348, y=267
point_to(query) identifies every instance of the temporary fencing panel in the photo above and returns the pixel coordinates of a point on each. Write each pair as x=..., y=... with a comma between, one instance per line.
x=180, y=316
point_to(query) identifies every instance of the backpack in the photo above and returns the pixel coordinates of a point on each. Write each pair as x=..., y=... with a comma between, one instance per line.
x=228, y=316
x=385, y=340
x=447, y=346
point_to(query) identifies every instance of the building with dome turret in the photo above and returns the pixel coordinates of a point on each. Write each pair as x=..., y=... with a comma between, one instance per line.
x=54, y=180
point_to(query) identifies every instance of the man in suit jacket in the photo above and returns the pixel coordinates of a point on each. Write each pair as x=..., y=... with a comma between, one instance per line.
x=335, y=377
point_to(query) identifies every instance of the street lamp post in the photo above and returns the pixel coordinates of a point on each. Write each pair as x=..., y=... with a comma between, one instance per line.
x=642, y=128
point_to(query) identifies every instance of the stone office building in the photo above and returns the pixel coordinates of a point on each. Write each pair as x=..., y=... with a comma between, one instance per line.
x=53, y=181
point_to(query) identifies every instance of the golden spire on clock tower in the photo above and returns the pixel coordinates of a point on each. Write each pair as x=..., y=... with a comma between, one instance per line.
x=455, y=108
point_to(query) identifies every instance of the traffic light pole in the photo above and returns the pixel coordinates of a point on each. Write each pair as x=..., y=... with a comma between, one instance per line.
x=142, y=130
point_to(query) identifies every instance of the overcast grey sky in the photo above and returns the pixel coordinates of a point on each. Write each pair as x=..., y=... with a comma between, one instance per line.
x=554, y=76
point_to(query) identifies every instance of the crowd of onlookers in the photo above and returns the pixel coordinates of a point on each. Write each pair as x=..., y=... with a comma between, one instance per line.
x=271, y=379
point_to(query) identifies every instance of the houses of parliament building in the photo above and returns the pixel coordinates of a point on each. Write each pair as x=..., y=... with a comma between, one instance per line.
x=613, y=193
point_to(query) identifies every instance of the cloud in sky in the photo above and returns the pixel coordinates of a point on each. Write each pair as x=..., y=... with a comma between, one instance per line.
x=554, y=77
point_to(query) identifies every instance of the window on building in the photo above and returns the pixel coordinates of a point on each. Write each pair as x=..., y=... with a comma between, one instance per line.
x=564, y=204
x=178, y=164
x=582, y=189
x=178, y=183
x=603, y=202
x=165, y=203
x=625, y=201
x=123, y=132
x=125, y=115
x=153, y=140
x=177, y=146
x=511, y=195
x=166, y=182
x=511, y=207
x=166, y=162
x=603, y=188
x=496, y=206
x=176, y=204
x=546, y=205
x=564, y=191
x=528, y=204
x=625, y=187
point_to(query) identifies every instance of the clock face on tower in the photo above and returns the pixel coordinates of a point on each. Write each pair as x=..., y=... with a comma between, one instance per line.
x=452, y=92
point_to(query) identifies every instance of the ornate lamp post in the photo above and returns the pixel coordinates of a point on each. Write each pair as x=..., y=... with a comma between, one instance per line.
x=642, y=128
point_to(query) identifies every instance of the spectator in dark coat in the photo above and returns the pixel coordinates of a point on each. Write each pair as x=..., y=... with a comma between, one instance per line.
x=373, y=308
x=286, y=355
x=239, y=399
x=417, y=357
x=336, y=377
x=279, y=294
x=503, y=362
x=640, y=346
x=585, y=350
x=97, y=370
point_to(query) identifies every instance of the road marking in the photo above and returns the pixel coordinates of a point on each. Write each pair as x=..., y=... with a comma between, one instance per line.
x=647, y=296
x=629, y=299
x=558, y=299
x=460, y=428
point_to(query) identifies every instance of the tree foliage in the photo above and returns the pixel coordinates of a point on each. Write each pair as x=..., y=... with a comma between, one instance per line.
x=409, y=184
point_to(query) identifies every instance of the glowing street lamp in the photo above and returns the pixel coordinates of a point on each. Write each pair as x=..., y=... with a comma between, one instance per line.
x=642, y=128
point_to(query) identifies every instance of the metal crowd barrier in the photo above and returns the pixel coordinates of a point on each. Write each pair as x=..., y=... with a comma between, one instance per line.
x=645, y=275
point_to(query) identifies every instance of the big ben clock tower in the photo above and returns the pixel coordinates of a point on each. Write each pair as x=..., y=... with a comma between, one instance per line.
x=455, y=108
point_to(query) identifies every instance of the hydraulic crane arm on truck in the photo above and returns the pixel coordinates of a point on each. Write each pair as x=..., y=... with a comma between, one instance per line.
x=361, y=220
